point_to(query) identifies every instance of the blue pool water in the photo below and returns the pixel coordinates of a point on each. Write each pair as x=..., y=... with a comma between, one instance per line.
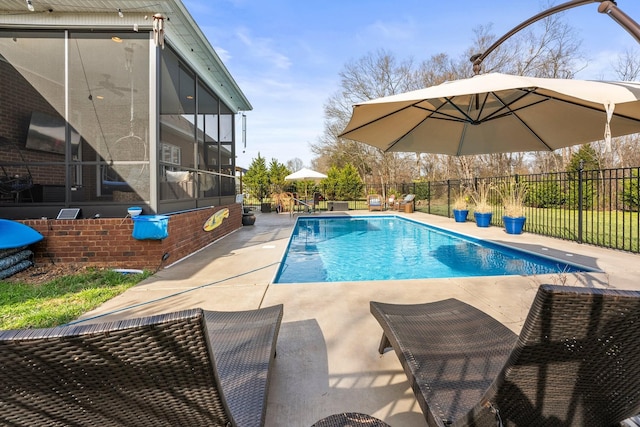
x=341, y=249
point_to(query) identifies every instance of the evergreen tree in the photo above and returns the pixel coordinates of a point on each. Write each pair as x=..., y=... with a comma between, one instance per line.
x=589, y=158
x=631, y=191
x=330, y=183
x=277, y=173
x=256, y=179
x=584, y=162
x=343, y=183
x=349, y=183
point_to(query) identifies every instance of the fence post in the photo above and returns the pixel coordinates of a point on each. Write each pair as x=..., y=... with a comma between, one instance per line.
x=448, y=198
x=414, y=192
x=580, y=199
x=429, y=198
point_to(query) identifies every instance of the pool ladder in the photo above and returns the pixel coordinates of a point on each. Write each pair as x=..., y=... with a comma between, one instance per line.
x=311, y=208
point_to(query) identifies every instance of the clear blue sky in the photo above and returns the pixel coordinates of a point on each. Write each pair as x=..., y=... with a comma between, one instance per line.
x=286, y=54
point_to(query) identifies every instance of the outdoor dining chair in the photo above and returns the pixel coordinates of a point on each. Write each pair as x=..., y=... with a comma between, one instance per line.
x=576, y=361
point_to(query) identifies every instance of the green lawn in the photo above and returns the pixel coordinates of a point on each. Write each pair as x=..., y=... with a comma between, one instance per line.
x=611, y=229
x=614, y=229
x=61, y=300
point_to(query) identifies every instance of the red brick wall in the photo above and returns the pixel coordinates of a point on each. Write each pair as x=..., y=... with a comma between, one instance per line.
x=19, y=99
x=108, y=242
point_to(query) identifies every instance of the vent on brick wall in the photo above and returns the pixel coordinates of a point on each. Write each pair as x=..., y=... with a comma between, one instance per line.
x=68, y=213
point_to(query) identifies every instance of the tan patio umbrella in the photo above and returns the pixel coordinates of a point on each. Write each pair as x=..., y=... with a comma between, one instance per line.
x=497, y=113
x=305, y=174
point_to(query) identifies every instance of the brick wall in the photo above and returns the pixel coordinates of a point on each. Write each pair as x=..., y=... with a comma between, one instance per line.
x=19, y=99
x=108, y=242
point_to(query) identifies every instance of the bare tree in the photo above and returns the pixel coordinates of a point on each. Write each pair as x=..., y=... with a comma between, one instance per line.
x=622, y=152
x=550, y=49
x=373, y=76
x=295, y=164
x=547, y=49
x=553, y=51
x=628, y=65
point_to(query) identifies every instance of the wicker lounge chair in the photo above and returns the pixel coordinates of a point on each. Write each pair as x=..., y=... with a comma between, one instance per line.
x=400, y=204
x=375, y=202
x=191, y=368
x=575, y=363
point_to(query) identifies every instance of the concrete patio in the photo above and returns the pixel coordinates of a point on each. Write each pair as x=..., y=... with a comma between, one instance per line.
x=327, y=360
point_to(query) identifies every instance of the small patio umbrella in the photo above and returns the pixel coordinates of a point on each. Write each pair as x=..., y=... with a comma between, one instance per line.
x=498, y=113
x=305, y=174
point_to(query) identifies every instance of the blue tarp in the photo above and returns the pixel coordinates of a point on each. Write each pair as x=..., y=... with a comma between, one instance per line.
x=15, y=234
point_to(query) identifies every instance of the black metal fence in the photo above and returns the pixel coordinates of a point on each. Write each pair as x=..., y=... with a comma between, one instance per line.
x=598, y=207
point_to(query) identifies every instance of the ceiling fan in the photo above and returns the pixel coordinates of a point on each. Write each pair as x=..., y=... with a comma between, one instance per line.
x=107, y=84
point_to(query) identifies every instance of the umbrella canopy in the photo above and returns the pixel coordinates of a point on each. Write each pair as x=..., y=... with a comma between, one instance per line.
x=497, y=113
x=305, y=174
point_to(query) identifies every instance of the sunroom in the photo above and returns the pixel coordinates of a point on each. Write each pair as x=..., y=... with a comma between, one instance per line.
x=106, y=104
x=110, y=106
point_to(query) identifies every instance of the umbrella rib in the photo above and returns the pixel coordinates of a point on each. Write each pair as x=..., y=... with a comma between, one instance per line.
x=417, y=124
x=514, y=113
x=577, y=104
x=494, y=115
x=441, y=115
x=344, y=134
x=467, y=117
x=547, y=98
x=479, y=119
x=506, y=106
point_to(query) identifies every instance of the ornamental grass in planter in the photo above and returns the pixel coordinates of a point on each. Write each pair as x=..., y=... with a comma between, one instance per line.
x=482, y=210
x=512, y=194
x=460, y=206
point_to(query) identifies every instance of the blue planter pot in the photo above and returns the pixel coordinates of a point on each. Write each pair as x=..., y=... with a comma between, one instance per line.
x=483, y=219
x=460, y=215
x=513, y=225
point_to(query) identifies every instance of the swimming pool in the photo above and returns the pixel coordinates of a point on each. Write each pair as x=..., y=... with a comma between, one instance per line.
x=359, y=248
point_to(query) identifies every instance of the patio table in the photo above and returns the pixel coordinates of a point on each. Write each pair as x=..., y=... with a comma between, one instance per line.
x=350, y=419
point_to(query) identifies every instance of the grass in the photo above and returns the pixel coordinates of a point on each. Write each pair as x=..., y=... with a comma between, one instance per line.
x=614, y=229
x=61, y=300
x=610, y=229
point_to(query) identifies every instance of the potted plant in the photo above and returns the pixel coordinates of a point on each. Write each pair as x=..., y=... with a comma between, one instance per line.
x=461, y=206
x=482, y=210
x=512, y=193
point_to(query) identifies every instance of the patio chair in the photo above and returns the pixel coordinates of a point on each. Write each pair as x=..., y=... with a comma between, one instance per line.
x=408, y=199
x=575, y=363
x=192, y=367
x=391, y=202
x=375, y=202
